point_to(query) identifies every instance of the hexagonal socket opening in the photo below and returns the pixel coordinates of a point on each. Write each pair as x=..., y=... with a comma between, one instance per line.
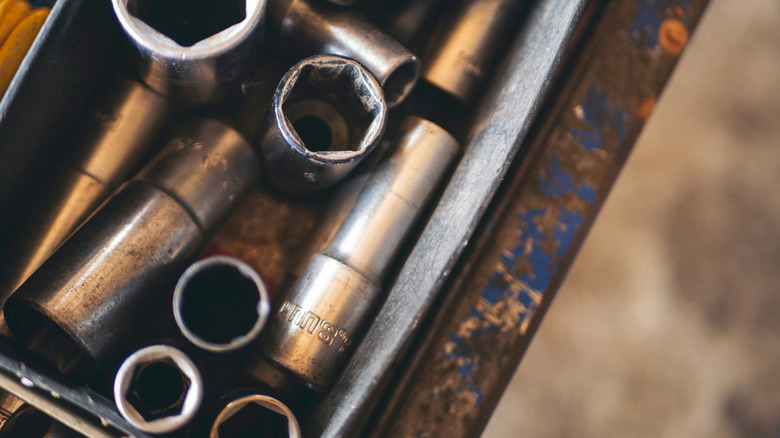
x=334, y=105
x=188, y=21
x=220, y=303
x=158, y=389
x=253, y=420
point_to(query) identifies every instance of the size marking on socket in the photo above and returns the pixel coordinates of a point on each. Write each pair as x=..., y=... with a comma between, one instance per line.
x=469, y=64
x=187, y=144
x=310, y=323
x=106, y=120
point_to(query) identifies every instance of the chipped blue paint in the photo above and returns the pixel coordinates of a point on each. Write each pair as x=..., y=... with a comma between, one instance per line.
x=560, y=182
x=555, y=182
x=567, y=220
x=599, y=115
x=556, y=205
x=647, y=21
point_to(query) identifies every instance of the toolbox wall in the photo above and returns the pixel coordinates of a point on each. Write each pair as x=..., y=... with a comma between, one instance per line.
x=68, y=59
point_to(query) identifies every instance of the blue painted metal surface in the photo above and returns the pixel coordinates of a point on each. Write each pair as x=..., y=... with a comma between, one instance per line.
x=461, y=368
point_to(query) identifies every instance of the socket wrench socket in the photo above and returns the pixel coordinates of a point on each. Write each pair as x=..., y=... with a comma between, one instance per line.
x=220, y=304
x=116, y=134
x=309, y=28
x=326, y=311
x=241, y=417
x=158, y=389
x=327, y=114
x=466, y=44
x=90, y=293
x=191, y=50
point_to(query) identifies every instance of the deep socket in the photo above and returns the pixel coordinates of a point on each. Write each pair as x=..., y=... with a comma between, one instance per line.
x=466, y=44
x=326, y=311
x=95, y=288
x=118, y=131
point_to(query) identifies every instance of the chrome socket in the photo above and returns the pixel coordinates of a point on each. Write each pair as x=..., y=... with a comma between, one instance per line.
x=309, y=28
x=93, y=290
x=328, y=113
x=327, y=310
x=406, y=21
x=244, y=417
x=220, y=304
x=158, y=389
x=118, y=132
x=466, y=44
x=191, y=50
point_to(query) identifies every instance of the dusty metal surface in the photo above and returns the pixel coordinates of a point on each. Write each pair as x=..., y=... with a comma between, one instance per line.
x=500, y=124
x=451, y=387
x=39, y=107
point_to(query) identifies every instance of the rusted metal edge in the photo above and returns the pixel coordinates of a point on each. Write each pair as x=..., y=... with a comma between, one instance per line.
x=500, y=124
x=498, y=299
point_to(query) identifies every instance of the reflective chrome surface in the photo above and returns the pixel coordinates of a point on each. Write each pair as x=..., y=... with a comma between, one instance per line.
x=95, y=287
x=308, y=28
x=467, y=43
x=326, y=311
x=191, y=50
x=328, y=113
x=119, y=131
x=158, y=389
x=255, y=422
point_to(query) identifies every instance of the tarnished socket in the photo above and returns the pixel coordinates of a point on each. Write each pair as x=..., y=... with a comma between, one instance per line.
x=191, y=50
x=158, y=389
x=220, y=304
x=328, y=113
x=255, y=415
x=307, y=27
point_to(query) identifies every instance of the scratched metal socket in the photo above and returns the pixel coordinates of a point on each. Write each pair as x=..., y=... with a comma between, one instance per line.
x=192, y=50
x=91, y=292
x=467, y=44
x=328, y=113
x=327, y=310
x=307, y=27
x=158, y=389
x=118, y=133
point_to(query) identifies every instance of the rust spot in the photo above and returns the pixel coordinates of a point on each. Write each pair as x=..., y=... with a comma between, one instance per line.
x=646, y=107
x=673, y=36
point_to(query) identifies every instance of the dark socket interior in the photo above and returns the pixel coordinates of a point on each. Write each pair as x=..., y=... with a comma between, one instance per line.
x=189, y=21
x=219, y=304
x=158, y=390
x=254, y=421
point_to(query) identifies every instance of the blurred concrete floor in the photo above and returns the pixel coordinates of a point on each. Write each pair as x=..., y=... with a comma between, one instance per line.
x=668, y=324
